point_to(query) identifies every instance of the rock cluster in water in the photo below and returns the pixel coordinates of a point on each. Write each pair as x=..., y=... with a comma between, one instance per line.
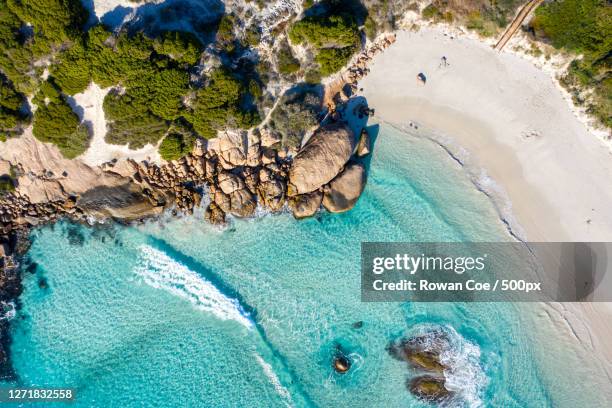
x=422, y=353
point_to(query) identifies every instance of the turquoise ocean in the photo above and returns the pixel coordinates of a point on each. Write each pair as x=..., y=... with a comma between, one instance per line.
x=179, y=313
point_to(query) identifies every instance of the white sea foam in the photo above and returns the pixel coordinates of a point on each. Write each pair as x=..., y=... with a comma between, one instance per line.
x=274, y=380
x=7, y=310
x=464, y=374
x=162, y=272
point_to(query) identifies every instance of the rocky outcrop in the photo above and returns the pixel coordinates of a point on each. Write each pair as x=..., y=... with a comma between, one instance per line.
x=422, y=353
x=305, y=205
x=344, y=191
x=321, y=159
x=428, y=388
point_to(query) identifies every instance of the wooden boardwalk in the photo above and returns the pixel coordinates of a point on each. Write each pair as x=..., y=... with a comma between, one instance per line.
x=516, y=23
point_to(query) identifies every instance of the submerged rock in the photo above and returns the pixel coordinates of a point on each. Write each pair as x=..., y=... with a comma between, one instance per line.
x=344, y=191
x=429, y=388
x=321, y=159
x=341, y=364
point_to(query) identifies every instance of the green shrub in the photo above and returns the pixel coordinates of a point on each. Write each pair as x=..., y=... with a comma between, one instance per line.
x=225, y=32
x=287, y=63
x=6, y=184
x=129, y=121
x=313, y=76
x=583, y=26
x=431, y=12
x=12, y=117
x=180, y=46
x=54, y=25
x=332, y=60
x=370, y=28
x=174, y=146
x=325, y=31
x=73, y=72
x=55, y=122
x=335, y=38
x=218, y=105
x=294, y=115
x=252, y=36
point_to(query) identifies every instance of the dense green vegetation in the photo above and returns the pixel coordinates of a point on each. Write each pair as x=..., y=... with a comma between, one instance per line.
x=55, y=122
x=178, y=143
x=32, y=31
x=179, y=46
x=584, y=27
x=11, y=114
x=220, y=104
x=331, y=60
x=334, y=37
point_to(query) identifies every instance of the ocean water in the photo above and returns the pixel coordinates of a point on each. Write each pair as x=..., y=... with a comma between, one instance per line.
x=179, y=313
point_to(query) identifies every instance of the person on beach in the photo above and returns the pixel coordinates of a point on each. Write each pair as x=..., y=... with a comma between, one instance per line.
x=443, y=62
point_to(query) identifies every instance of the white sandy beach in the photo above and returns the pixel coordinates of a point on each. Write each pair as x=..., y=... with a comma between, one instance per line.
x=508, y=123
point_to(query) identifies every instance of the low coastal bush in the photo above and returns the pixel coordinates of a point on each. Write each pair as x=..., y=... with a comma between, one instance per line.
x=6, y=184
x=583, y=27
x=130, y=122
x=287, y=63
x=295, y=114
x=484, y=16
x=32, y=31
x=55, y=122
x=220, y=104
x=331, y=60
x=174, y=146
x=12, y=116
x=182, y=47
x=335, y=38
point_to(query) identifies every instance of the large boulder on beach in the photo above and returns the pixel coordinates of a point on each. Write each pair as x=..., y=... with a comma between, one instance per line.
x=344, y=190
x=305, y=205
x=321, y=159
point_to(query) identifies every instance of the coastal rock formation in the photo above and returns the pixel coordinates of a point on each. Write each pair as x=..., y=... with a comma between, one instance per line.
x=214, y=214
x=321, y=159
x=428, y=388
x=305, y=205
x=344, y=190
x=423, y=353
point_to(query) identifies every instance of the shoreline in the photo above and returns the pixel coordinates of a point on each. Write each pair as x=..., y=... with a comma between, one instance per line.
x=517, y=129
x=517, y=137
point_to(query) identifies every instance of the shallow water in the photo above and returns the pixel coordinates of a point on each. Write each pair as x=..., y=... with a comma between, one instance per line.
x=179, y=313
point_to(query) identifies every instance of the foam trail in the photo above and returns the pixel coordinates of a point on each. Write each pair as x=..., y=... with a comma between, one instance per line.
x=160, y=271
x=275, y=381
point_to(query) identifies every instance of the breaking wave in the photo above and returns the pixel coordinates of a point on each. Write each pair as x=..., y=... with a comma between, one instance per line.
x=160, y=271
x=275, y=381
